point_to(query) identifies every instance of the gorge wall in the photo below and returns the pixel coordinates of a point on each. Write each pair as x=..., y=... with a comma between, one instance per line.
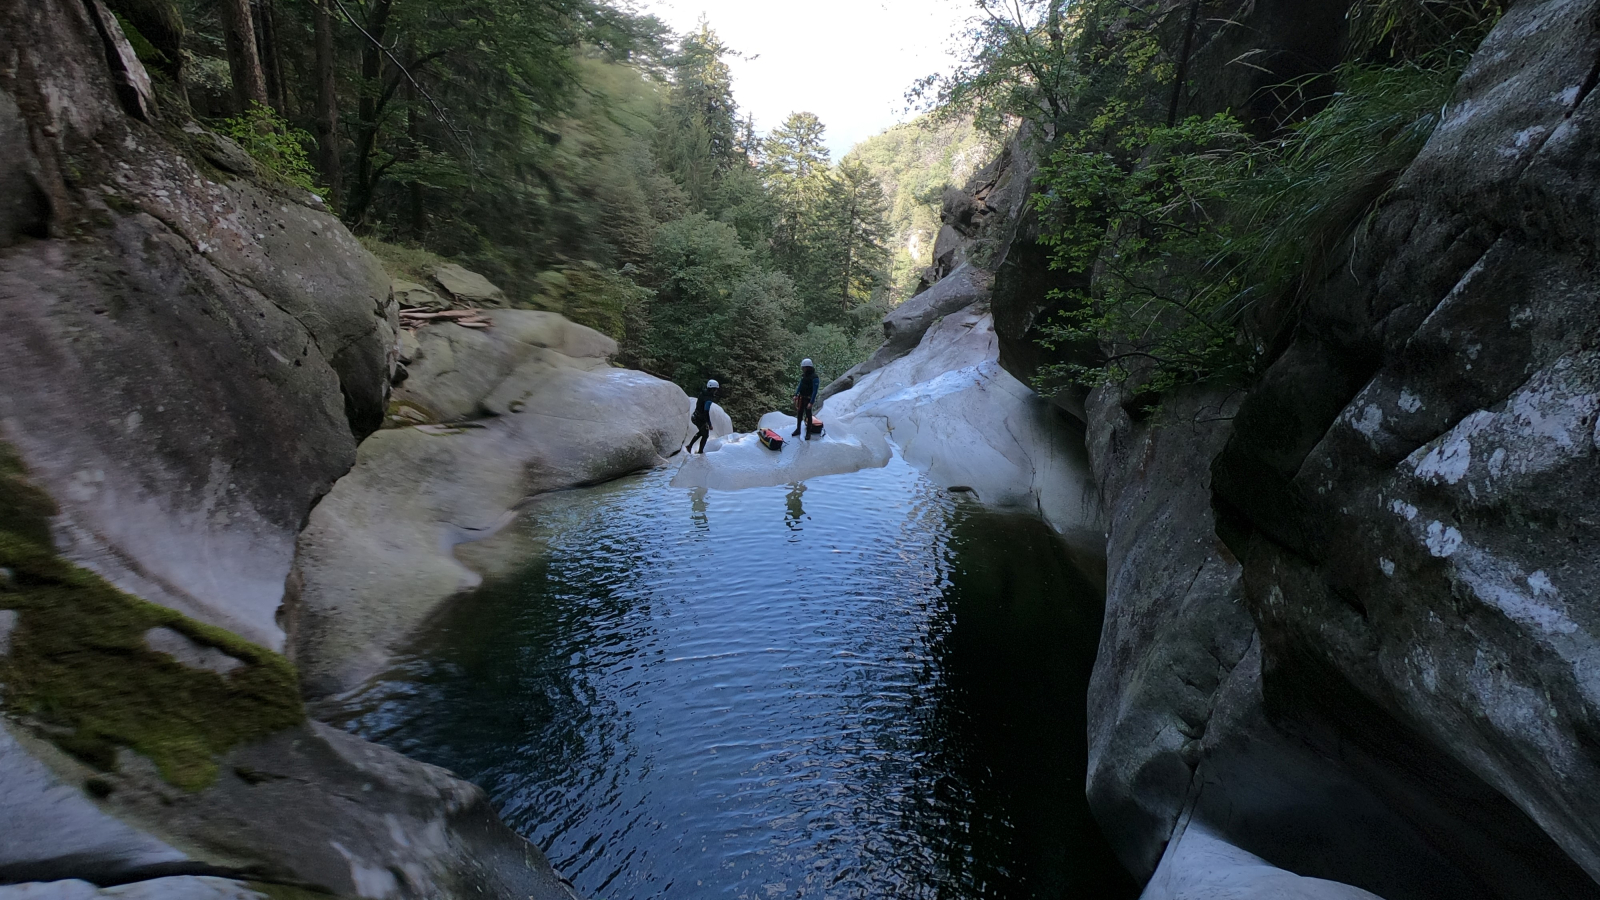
x=191, y=354
x=1351, y=609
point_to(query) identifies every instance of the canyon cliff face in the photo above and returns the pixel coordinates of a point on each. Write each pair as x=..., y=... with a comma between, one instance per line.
x=191, y=353
x=1351, y=614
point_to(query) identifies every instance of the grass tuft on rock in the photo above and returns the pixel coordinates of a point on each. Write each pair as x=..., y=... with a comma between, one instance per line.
x=80, y=673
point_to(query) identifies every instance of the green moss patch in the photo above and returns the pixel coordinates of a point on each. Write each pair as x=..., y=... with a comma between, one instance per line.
x=79, y=669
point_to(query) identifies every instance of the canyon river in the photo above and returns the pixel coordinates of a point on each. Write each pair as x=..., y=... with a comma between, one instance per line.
x=861, y=686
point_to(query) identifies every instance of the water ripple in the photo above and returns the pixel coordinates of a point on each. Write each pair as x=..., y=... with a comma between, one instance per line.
x=855, y=687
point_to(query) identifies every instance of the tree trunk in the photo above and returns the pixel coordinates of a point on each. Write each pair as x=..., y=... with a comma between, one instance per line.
x=244, y=61
x=271, y=60
x=374, y=96
x=327, y=104
x=1183, y=63
x=419, y=216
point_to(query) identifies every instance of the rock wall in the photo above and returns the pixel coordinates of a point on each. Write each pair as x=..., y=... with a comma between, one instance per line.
x=1412, y=487
x=530, y=405
x=1350, y=612
x=190, y=355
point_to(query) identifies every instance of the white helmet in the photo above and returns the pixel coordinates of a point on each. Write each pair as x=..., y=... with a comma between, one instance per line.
x=805, y=364
x=713, y=384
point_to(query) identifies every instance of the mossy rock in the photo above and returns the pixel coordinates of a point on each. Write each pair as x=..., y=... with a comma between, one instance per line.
x=80, y=671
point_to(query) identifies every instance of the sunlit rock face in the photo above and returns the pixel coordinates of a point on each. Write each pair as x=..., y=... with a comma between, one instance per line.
x=740, y=461
x=966, y=422
x=377, y=555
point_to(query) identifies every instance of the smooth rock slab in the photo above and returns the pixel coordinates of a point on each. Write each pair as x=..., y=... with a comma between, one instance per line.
x=966, y=422
x=376, y=556
x=52, y=830
x=1201, y=866
x=740, y=461
x=177, y=887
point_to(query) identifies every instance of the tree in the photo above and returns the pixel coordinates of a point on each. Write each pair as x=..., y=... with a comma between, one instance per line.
x=327, y=117
x=697, y=262
x=244, y=60
x=756, y=346
x=700, y=132
x=856, y=224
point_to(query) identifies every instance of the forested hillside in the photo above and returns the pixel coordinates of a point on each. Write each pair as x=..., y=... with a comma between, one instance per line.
x=917, y=162
x=577, y=153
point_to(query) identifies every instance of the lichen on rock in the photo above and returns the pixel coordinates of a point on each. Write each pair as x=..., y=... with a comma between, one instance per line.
x=80, y=671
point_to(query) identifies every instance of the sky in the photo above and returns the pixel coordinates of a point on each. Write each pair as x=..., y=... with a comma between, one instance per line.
x=848, y=61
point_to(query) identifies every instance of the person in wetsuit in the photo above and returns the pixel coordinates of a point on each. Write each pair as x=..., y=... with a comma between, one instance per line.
x=805, y=397
x=701, y=417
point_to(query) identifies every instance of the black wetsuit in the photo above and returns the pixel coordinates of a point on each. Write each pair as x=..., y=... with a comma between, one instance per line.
x=805, y=397
x=702, y=418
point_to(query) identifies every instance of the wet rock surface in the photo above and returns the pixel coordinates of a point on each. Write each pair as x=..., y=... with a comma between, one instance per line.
x=377, y=557
x=967, y=423
x=203, y=350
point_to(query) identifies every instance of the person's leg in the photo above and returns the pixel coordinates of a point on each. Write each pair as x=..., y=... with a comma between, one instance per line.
x=700, y=436
x=799, y=418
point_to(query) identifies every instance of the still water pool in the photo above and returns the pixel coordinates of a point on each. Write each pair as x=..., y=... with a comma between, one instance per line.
x=862, y=686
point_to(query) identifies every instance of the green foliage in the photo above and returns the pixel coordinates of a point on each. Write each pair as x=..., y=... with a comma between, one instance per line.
x=697, y=262
x=586, y=293
x=275, y=145
x=565, y=151
x=915, y=163
x=402, y=261
x=718, y=314
x=1399, y=30
x=80, y=670
x=834, y=350
x=755, y=364
x=699, y=136
x=1211, y=224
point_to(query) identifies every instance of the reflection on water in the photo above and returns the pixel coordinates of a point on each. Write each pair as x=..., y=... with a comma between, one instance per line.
x=876, y=692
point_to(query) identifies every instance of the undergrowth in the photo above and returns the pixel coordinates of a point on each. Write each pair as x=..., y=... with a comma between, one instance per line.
x=80, y=674
x=1211, y=224
x=277, y=147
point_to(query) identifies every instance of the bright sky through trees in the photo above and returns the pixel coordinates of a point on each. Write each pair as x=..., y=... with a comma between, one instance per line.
x=848, y=61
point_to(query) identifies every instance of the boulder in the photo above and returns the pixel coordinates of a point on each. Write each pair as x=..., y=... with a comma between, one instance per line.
x=452, y=370
x=467, y=287
x=309, y=806
x=905, y=325
x=965, y=422
x=375, y=558
x=410, y=295
x=191, y=370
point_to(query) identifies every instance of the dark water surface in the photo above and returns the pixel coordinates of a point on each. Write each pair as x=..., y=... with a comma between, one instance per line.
x=856, y=687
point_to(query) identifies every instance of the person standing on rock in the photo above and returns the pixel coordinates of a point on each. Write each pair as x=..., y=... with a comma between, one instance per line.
x=805, y=397
x=702, y=415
